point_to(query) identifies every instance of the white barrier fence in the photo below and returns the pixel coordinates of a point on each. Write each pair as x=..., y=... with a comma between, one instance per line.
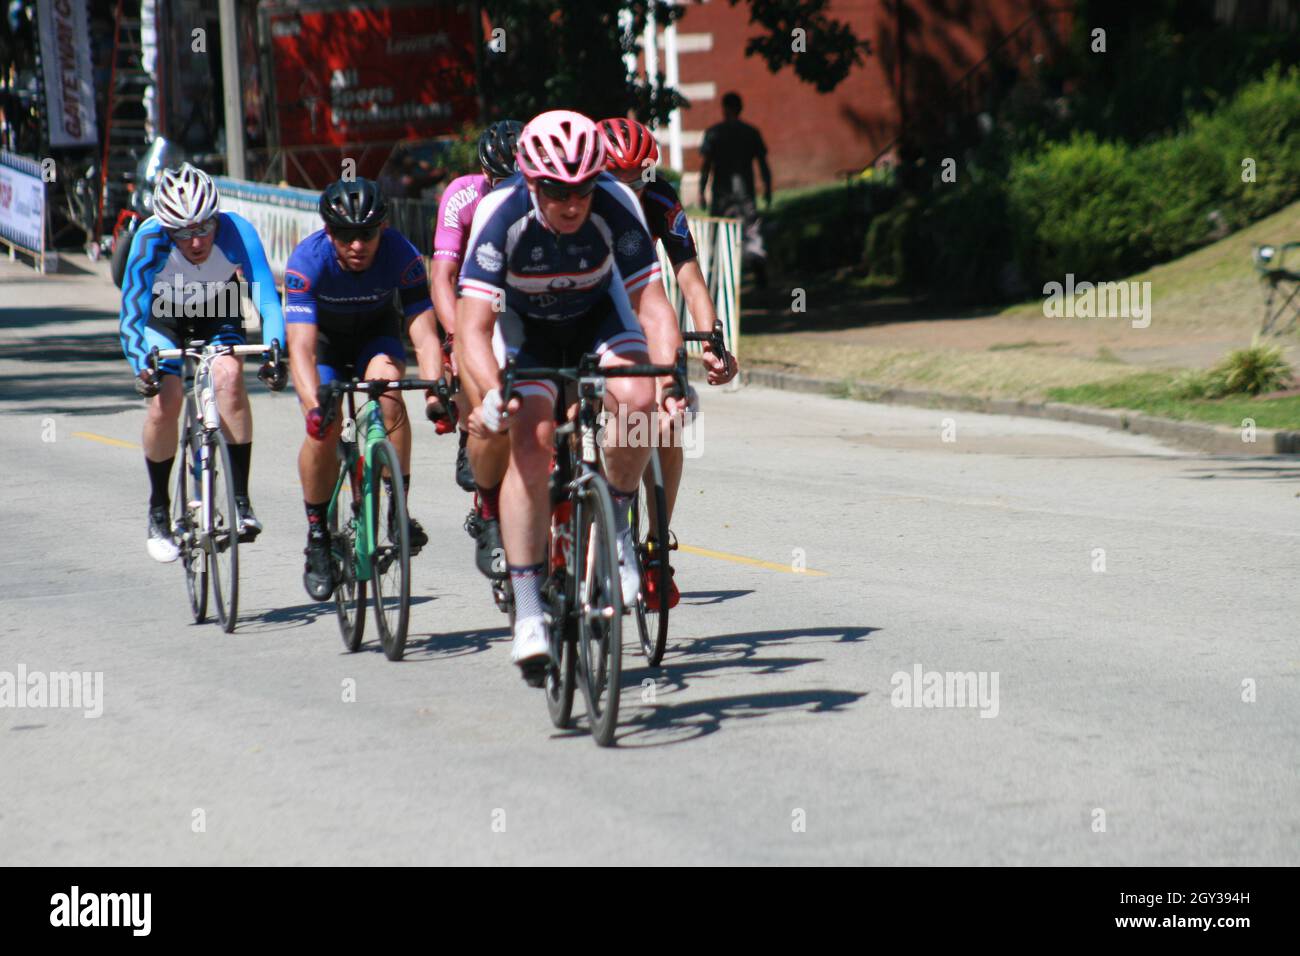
x=283, y=216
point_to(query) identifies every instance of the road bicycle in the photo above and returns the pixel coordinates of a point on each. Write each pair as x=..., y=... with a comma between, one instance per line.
x=582, y=590
x=369, y=530
x=205, y=518
x=654, y=540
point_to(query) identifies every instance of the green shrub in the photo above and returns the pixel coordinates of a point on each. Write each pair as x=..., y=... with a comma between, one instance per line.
x=1106, y=209
x=1252, y=371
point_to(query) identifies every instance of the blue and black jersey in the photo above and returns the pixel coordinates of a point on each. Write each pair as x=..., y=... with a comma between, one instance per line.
x=319, y=291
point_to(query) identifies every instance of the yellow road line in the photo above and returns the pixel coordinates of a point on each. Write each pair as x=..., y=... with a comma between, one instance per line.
x=105, y=440
x=741, y=559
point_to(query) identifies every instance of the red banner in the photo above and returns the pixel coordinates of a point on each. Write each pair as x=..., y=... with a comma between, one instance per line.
x=370, y=72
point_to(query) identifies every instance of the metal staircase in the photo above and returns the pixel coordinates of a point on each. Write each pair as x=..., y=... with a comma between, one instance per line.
x=126, y=129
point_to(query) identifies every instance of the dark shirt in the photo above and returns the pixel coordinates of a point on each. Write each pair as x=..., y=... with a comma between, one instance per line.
x=667, y=220
x=732, y=146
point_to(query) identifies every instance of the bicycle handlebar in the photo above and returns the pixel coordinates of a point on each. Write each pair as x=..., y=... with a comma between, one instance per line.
x=327, y=392
x=589, y=367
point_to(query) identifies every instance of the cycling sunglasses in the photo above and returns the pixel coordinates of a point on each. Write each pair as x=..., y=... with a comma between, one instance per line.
x=184, y=235
x=552, y=189
x=349, y=236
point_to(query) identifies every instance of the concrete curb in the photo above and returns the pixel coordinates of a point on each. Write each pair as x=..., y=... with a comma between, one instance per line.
x=1198, y=436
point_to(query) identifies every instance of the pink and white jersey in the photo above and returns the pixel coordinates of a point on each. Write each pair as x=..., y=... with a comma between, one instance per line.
x=456, y=215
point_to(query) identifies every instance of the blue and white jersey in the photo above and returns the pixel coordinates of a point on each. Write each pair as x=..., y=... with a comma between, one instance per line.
x=157, y=269
x=543, y=275
x=319, y=291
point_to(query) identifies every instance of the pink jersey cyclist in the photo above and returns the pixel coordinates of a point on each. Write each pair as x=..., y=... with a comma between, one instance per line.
x=456, y=215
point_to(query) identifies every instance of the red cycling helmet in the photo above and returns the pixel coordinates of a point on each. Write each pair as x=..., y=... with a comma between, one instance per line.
x=628, y=145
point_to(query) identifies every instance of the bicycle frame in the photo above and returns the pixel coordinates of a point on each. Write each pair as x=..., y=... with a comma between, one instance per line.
x=357, y=461
x=202, y=396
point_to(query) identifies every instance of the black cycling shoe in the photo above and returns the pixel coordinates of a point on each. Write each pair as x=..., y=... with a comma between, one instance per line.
x=473, y=524
x=489, y=555
x=249, y=526
x=464, y=474
x=319, y=578
x=415, y=534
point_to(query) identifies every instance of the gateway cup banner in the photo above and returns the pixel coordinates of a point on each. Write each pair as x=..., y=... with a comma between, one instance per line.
x=69, y=90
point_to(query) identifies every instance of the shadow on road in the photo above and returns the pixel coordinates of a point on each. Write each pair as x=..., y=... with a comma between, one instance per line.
x=1271, y=468
x=300, y=615
x=667, y=724
x=699, y=598
x=650, y=724
x=433, y=647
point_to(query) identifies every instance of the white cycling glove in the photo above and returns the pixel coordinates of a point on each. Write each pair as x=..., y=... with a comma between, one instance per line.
x=493, y=411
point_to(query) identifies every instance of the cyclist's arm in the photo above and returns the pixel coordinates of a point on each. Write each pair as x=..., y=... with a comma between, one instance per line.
x=443, y=282
x=428, y=350
x=700, y=306
x=252, y=261
x=149, y=251
x=475, y=318
x=302, y=362
x=300, y=276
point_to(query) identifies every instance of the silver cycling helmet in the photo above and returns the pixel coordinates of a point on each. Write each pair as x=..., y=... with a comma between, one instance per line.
x=185, y=197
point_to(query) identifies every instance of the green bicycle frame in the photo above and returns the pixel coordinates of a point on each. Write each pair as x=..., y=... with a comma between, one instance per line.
x=370, y=421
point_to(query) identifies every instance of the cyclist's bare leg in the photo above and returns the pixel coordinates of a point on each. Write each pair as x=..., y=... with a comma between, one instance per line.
x=671, y=459
x=395, y=418
x=161, y=431
x=232, y=399
x=631, y=401
x=525, y=498
x=488, y=457
x=318, y=465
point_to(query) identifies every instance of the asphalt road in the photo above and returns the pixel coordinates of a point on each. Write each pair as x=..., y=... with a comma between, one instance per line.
x=1121, y=728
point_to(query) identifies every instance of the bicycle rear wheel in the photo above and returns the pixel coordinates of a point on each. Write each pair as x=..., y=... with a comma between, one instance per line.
x=599, y=597
x=392, y=559
x=652, y=552
x=194, y=559
x=350, y=594
x=223, y=533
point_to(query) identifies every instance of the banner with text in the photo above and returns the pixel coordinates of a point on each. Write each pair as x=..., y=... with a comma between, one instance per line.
x=22, y=202
x=69, y=82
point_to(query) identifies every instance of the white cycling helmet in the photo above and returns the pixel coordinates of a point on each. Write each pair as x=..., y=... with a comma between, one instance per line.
x=185, y=197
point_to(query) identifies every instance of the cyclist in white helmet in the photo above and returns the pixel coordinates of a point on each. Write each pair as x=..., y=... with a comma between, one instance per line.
x=182, y=283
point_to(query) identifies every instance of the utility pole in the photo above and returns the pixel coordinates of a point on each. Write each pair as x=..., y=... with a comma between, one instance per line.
x=230, y=88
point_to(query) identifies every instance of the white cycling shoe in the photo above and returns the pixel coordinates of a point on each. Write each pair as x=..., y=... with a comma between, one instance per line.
x=531, y=645
x=629, y=571
x=160, y=543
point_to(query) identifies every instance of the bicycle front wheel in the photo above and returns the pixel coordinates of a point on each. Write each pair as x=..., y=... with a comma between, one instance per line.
x=599, y=596
x=222, y=531
x=391, y=576
x=350, y=595
x=652, y=551
x=194, y=560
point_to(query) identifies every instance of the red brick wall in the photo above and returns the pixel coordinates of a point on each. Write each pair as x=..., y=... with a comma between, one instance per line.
x=813, y=137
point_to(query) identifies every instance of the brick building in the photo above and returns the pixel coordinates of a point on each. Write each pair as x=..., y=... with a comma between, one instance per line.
x=925, y=62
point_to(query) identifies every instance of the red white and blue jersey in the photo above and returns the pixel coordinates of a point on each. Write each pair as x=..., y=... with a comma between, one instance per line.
x=551, y=277
x=667, y=220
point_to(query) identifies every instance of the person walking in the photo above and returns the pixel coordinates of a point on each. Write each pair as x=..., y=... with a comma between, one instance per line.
x=730, y=150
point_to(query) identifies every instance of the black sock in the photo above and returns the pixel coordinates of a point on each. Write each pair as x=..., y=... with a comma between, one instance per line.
x=160, y=476
x=317, y=518
x=406, y=486
x=241, y=459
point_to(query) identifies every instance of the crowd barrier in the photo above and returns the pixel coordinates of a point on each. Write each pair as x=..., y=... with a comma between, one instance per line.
x=283, y=216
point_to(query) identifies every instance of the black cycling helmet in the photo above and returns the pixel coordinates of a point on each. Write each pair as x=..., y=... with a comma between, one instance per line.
x=496, y=148
x=355, y=204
